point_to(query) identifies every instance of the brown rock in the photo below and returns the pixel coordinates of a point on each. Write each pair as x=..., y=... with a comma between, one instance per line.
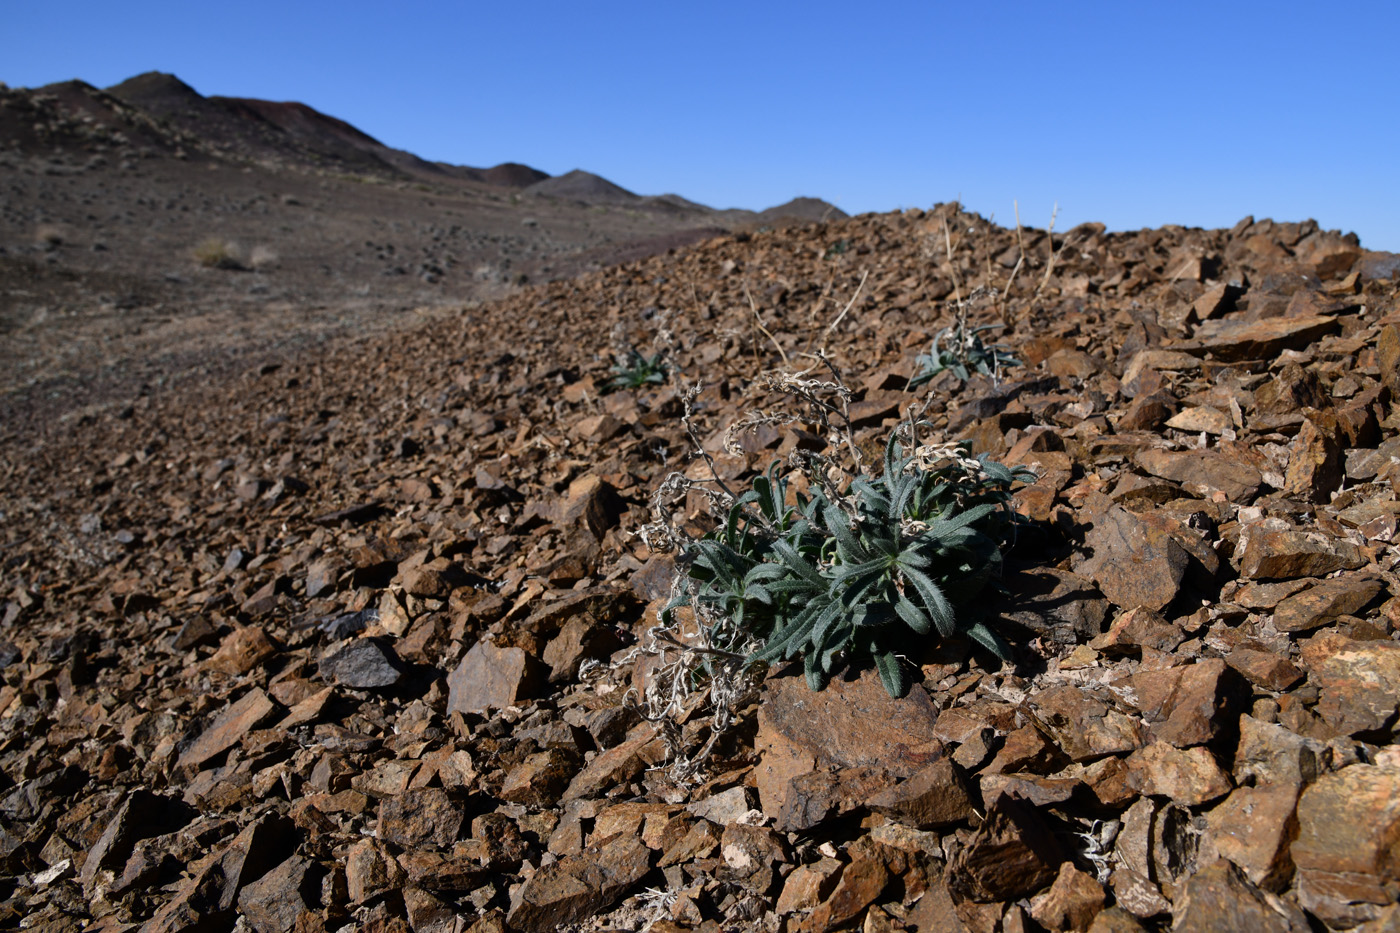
x=577, y=887
x=1116, y=920
x=933, y=798
x=1285, y=554
x=1232, y=341
x=251, y=710
x=1219, y=897
x=1072, y=902
x=489, y=678
x=1324, y=602
x=1133, y=563
x=581, y=637
x=746, y=849
x=591, y=504
x=422, y=817
x=1026, y=749
x=1348, y=823
x=273, y=903
x=616, y=765
x=1264, y=668
x=539, y=779
x=1139, y=628
x=1254, y=828
x=369, y=871
x=817, y=796
x=1388, y=356
x=1204, y=472
x=242, y=650
x=1011, y=855
x=1202, y=419
x=1137, y=895
x=1188, y=776
x=860, y=884
x=1192, y=704
x=1314, y=462
x=1272, y=754
x=1360, y=681
x=808, y=885
x=850, y=724
x=1087, y=727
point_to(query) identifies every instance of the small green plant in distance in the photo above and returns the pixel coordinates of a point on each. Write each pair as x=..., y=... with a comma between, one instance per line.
x=855, y=574
x=964, y=353
x=635, y=370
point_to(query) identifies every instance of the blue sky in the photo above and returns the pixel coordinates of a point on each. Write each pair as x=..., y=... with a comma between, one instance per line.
x=1134, y=114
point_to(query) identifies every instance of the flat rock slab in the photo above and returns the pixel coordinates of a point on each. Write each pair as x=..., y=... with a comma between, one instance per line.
x=363, y=664
x=488, y=678
x=1135, y=563
x=1360, y=681
x=850, y=724
x=1289, y=553
x=1232, y=341
x=578, y=886
x=252, y=710
x=1345, y=851
x=1203, y=471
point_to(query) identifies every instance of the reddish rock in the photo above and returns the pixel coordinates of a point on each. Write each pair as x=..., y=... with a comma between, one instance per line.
x=1287, y=553
x=251, y=710
x=539, y=779
x=242, y=650
x=1219, y=897
x=1190, y=705
x=423, y=817
x=1232, y=341
x=1189, y=776
x=808, y=885
x=1360, y=681
x=1348, y=823
x=934, y=797
x=1134, y=563
x=489, y=678
x=1328, y=599
x=1011, y=855
x=1087, y=726
x=577, y=887
x=616, y=765
x=1264, y=668
x=1072, y=902
x=850, y=724
x=1204, y=472
x=1254, y=828
x=860, y=884
x=1269, y=753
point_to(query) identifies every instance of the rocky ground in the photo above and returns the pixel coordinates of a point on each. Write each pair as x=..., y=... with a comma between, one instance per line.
x=304, y=648
x=152, y=236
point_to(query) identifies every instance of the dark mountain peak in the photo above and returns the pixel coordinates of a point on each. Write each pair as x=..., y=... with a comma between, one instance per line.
x=155, y=91
x=513, y=175
x=583, y=186
x=300, y=120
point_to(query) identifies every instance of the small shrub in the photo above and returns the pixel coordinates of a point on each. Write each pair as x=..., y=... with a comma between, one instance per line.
x=963, y=353
x=634, y=370
x=217, y=253
x=848, y=575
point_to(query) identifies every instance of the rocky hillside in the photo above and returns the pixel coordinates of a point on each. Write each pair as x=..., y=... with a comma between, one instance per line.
x=309, y=648
x=148, y=233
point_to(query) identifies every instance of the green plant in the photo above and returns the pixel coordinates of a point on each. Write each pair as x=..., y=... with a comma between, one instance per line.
x=850, y=574
x=964, y=354
x=217, y=253
x=634, y=370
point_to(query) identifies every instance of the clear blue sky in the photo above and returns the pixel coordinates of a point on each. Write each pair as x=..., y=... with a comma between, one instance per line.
x=1134, y=114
